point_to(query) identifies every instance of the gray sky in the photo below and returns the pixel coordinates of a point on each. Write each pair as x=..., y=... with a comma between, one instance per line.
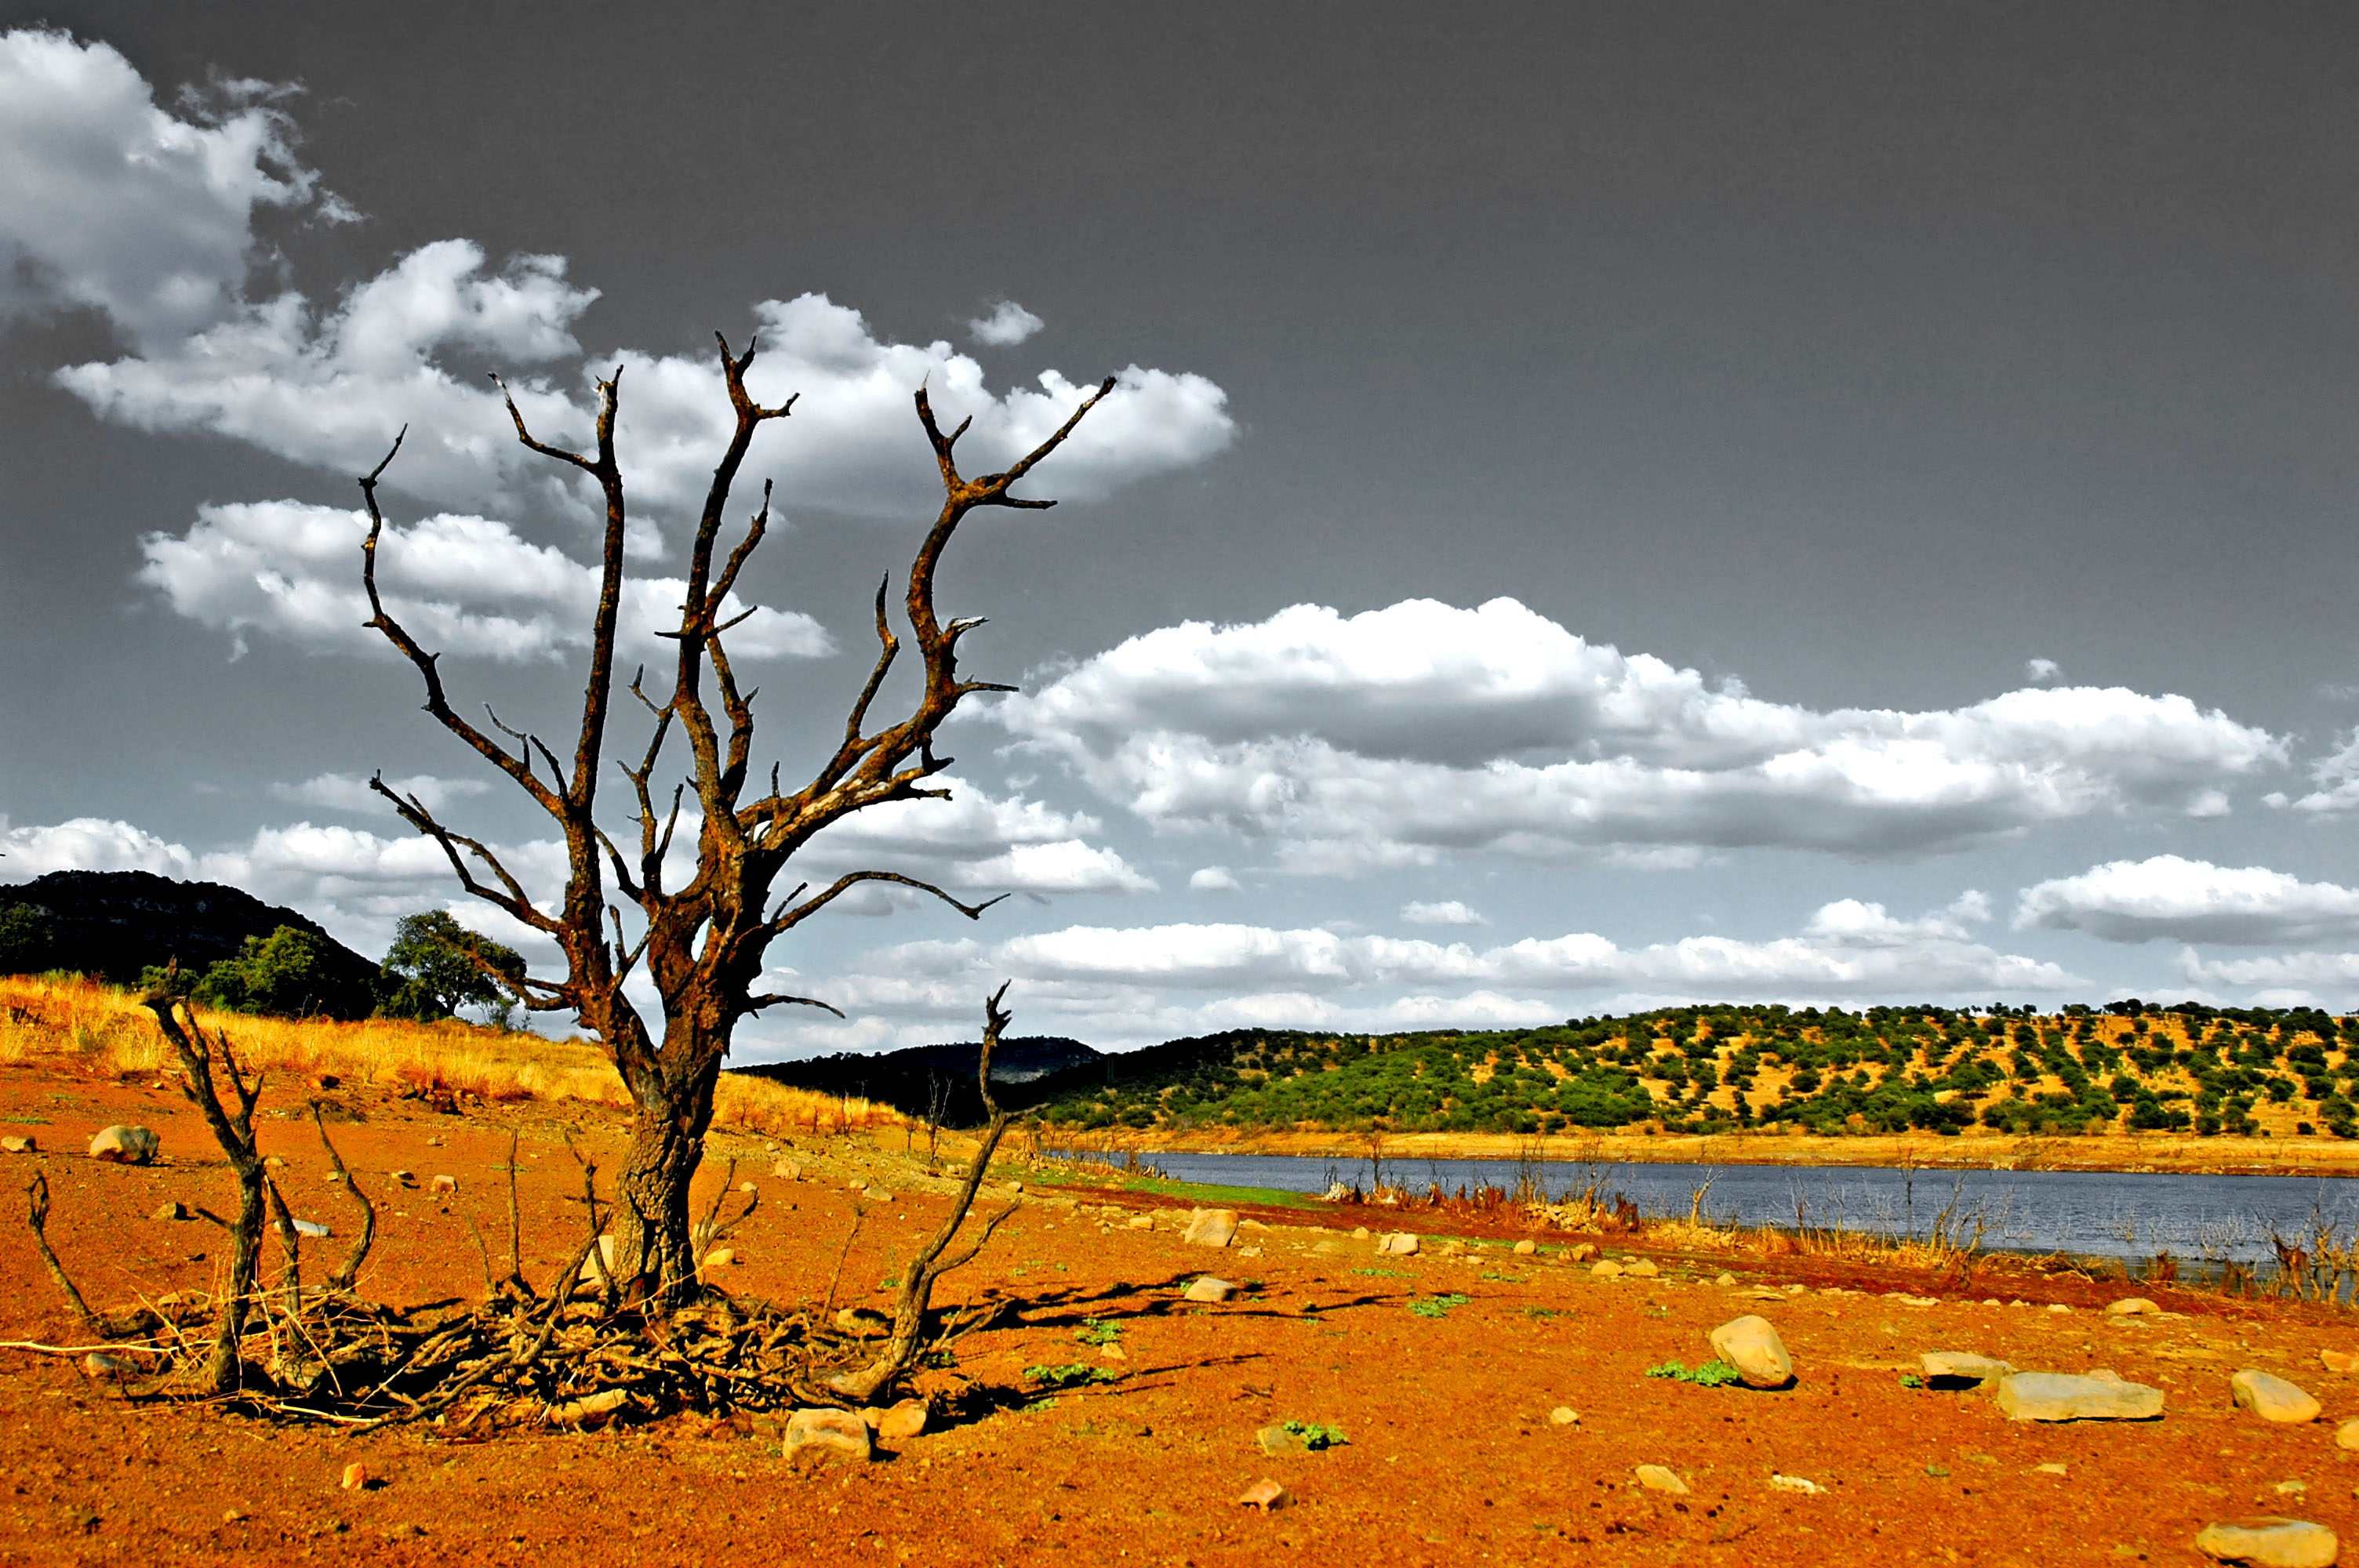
x=1588, y=494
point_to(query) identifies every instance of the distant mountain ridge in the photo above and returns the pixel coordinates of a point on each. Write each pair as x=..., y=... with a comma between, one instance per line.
x=938, y=1081
x=116, y=923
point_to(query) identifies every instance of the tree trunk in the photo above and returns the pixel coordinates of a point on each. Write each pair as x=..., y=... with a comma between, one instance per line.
x=655, y=1252
x=244, y=1275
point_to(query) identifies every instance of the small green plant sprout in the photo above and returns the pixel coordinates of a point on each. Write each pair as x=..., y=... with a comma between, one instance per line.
x=1911, y=1380
x=1437, y=1306
x=1073, y=1375
x=1317, y=1435
x=1098, y=1331
x=1711, y=1375
x=1386, y=1274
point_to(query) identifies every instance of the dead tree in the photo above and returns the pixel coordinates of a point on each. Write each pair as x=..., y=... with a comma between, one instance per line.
x=909, y=1336
x=233, y=1130
x=703, y=941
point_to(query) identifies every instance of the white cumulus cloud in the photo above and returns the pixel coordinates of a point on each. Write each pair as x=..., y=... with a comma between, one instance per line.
x=108, y=202
x=1008, y=324
x=2169, y=897
x=462, y=585
x=1400, y=735
x=1450, y=911
x=349, y=792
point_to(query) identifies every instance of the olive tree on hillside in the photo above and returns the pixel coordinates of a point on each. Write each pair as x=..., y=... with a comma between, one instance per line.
x=701, y=943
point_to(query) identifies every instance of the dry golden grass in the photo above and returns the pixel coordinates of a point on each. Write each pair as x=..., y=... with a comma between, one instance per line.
x=55, y=1021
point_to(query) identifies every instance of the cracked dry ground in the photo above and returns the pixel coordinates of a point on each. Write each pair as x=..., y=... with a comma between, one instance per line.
x=1451, y=1456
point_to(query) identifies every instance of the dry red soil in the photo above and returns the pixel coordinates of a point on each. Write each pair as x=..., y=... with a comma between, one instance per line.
x=1451, y=1456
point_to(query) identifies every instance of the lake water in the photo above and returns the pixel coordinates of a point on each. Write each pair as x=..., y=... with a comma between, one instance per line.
x=2198, y=1219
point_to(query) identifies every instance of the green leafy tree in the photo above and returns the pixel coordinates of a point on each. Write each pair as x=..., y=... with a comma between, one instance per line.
x=437, y=965
x=23, y=939
x=291, y=973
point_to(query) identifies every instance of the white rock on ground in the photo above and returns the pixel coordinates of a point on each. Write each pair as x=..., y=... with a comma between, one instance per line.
x=1401, y=1244
x=902, y=1421
x=1963, y=1365
x=2272, y=1398
x=125, y=1145
x=1606, y=1268
x=1751, y=1346
x=1526, y=1247
x=16, y=1145
x=825, y=1434
x=1205, y=1288
x=1211, y=1227
x=1564, y=1415
x=2132, y=1307
x=2347, y=1435
x=1644, y=1269
x=2270, y=1542
x=1656, y=1479
x=2055, y=1396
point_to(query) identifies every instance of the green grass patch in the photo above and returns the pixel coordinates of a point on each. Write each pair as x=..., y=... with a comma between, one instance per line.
x=1073, y=1375
x=1711, y=1375
x=1437, y=1306
x=1098, y=1331
x=1317, y=1435
x=1387, y=1273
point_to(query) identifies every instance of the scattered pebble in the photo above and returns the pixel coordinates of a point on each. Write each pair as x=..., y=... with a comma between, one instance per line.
x=1265, y=1495
x=2054, y=1396
x=1751, y=1346
x=173, y=1210
x=2347, y=1435
x=1204, y=1288
x=1656, y=1479
x=1644, y=1269
x=2272, y=1398
x=1606, y=1268
x=2132, y=1307
x=1527, y=1247
x=1951, y=1366
x=356, y=1476
x=446, y=1184
x=2270, y=1542
x=100, y=1365
x=721, y=1257
x=2053, y=1467
x=1564, y=1415
x=2339, y=1360
x=121, y=1145
x=826, y=1435
x=16, y=1145
x=1725, y=1280
x=1798, y=1485
x=1399, y=1245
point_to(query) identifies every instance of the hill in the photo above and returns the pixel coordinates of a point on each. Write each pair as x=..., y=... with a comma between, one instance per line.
x=113, y=924
x=1718, y=1069
x=936, y=1082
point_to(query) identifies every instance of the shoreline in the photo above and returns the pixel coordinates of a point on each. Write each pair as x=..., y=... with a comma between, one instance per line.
x=2176, y=1154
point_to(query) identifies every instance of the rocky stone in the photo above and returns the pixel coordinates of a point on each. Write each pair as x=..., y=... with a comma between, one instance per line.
x=1725, y=1280
x=589, y=1411
x=2272, y=1398
x=903, y=1421
x=1751, y=1346
x=98, y=1364
x=1564, y=1415
x=1606, y=1268
x=173, y=1210
x=1277, y=1443
x=2132, y=1307
x=822, y=1435
x=876, y=1194
x=1359, y=1233
x=1801, y=1486
x=2270, y=1542
x=721, y=1257
x=2339, y=1360
x=1142, y=1222
x=1527, y=1247
x=1644, y=1269
x=1211, y=1227
x=445, y=1184
x=1204, y=1288
x=1656, y=1479
x=1581, y=1252
x=787, y=1171
x=15, y=1145
x=2053, y=1467
x=1400, y=1244
x=1962, y=1368
x=1265, y=1495
x=2347, y=1435
x=2057, y=1396
x=125, y=1146
x=356, y=1476
x=1113, y=1353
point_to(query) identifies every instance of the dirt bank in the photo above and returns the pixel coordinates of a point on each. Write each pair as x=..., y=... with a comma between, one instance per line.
x=1441, y=1369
